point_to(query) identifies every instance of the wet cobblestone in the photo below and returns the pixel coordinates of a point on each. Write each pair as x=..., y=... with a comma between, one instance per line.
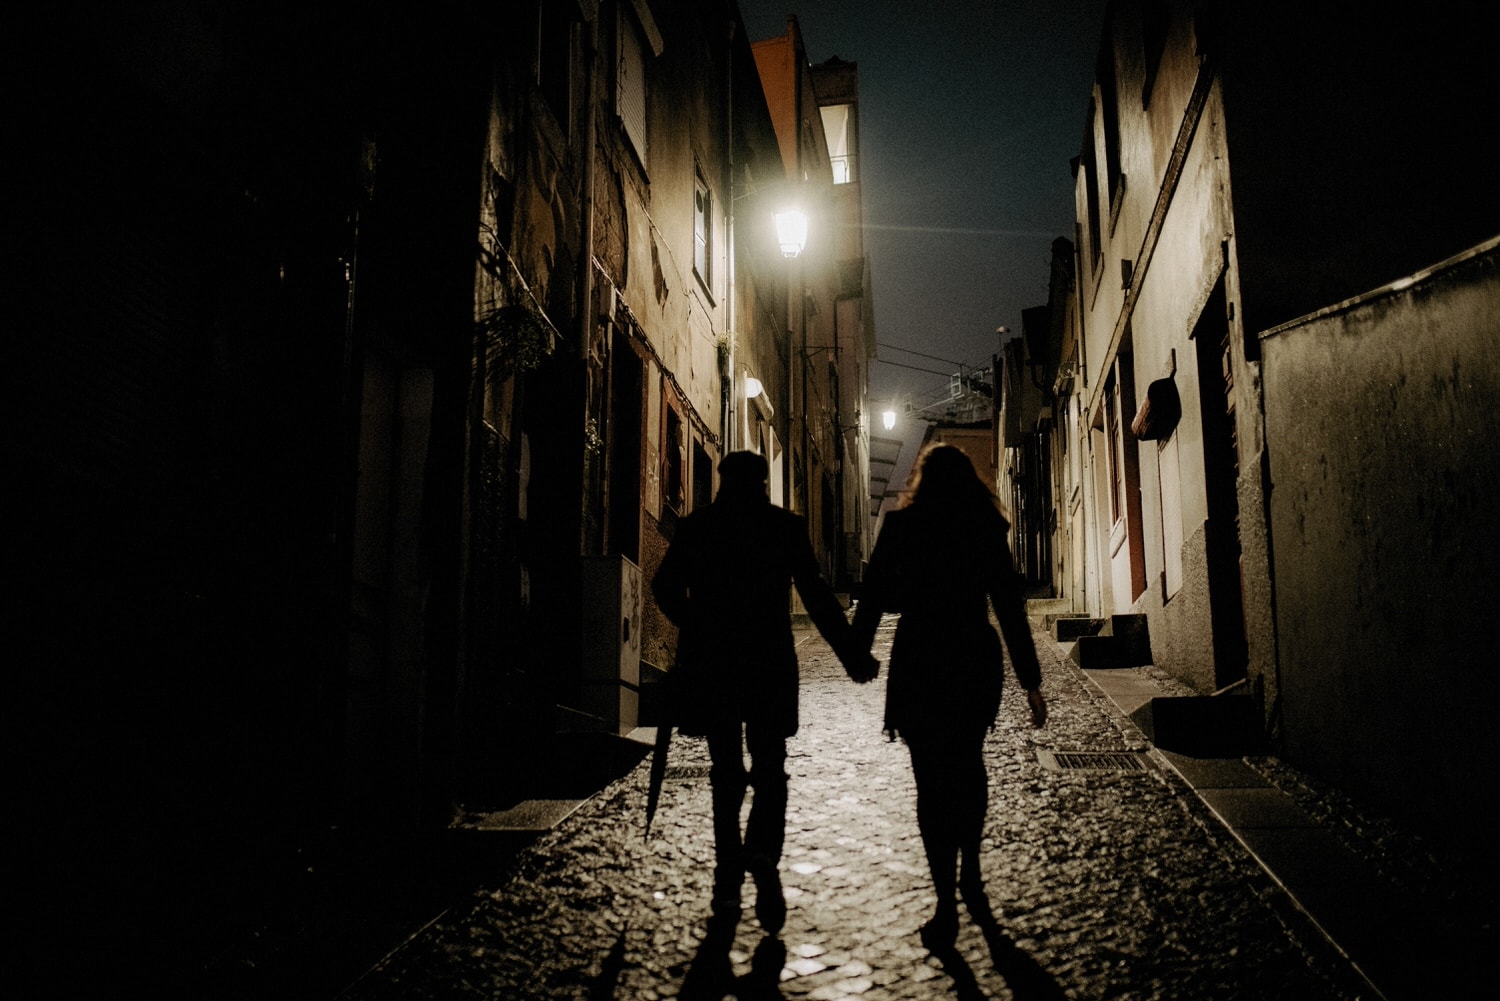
x=1105, y=884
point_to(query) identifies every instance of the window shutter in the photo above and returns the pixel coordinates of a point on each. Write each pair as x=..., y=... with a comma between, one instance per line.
x=631, y=92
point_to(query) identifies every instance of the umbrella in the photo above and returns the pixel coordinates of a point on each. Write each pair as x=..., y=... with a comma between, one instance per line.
x=658, y=771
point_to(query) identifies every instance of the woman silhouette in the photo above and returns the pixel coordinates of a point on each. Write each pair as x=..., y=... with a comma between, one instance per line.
x=939, y=561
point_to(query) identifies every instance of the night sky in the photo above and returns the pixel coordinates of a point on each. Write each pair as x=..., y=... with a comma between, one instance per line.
x=969, y=114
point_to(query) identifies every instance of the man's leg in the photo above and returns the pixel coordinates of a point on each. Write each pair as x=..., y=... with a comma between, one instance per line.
x=728, y=780
x=765, y=832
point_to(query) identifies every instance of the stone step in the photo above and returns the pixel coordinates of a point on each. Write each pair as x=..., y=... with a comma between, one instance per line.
x=1202, y=726
x=1067, y=628
x=1123, y=641
x=1048, y=608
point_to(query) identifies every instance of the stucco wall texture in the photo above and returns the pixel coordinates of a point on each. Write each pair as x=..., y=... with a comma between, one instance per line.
x=1380, y=432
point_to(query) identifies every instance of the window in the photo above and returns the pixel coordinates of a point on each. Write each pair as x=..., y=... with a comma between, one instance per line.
x=703, y=233
x=630, y=85
x=554, y=59
x=1124, y=479
x=1155, y=20
x=1088, y=167
x=1114, y=464
x=1109, y=115
x=838, y=126
x=703, y=476
x=674, y=461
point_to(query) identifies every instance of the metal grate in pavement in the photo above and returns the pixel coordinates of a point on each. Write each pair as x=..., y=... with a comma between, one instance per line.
x=1114, y=761
x=682, y=773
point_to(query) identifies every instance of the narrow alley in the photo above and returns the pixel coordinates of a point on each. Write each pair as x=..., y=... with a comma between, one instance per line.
x=1107, y=882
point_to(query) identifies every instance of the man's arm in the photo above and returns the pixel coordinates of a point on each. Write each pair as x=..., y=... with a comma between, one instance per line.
x=875, y=596
x=824, y=608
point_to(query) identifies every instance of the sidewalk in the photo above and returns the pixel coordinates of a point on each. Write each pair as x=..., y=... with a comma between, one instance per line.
x=1115, y=870
x=1413, y=924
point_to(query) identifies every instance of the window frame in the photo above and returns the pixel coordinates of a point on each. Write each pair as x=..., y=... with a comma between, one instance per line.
x=703, y=232
x=674, y=461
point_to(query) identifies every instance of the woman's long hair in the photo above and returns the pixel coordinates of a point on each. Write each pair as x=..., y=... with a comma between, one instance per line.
x=945, y=483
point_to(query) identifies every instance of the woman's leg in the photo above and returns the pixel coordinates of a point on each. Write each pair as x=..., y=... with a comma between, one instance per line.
x=952, y=798
x=932, y=766
x=972, y=796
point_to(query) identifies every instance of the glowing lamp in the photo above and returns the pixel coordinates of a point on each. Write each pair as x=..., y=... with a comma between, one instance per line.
x=791, y=232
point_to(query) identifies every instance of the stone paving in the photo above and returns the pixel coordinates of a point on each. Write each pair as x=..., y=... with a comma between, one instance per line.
x=1104, y=883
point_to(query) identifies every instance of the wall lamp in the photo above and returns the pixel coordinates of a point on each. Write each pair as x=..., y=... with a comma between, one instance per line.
x=791, y=232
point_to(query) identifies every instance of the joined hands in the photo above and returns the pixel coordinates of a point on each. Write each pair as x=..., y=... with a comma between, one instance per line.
x=862, y=668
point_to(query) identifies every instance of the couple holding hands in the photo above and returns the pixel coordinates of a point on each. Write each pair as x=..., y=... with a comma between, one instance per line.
x=940, y=562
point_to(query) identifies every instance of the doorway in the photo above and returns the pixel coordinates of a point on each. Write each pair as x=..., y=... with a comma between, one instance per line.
x=1218, y=400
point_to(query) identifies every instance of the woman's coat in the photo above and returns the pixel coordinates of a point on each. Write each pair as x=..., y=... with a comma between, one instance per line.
x=943, y=574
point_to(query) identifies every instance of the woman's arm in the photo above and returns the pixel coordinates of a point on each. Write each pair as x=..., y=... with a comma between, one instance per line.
x=1009, y=601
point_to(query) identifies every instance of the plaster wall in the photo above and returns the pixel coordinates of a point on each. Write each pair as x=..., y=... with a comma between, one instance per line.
x=661, y=295
x=1182, y=627
x=1379, y=429
x=1185, y=265
x=680, y=312
x=1142, y=295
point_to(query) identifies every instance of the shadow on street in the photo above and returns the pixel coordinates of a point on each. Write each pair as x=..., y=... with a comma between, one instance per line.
x=711, y=976
x=1024, y=975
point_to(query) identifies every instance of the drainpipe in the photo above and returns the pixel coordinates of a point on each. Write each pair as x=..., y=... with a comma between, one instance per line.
x=731, y=424
x=586, y=257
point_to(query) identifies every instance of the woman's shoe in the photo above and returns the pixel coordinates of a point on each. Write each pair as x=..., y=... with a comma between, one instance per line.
x=939, y=934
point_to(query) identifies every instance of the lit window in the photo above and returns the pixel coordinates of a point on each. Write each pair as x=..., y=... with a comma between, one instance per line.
x=838, y=126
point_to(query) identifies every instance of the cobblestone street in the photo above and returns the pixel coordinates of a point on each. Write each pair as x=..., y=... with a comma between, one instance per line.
x=1110, y=882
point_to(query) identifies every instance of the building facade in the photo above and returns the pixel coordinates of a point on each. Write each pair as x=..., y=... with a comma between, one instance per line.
x=815, y=109
x=1215, y=202
x=405, y=350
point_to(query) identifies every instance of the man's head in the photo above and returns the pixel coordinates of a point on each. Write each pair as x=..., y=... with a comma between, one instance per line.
x=743, y=475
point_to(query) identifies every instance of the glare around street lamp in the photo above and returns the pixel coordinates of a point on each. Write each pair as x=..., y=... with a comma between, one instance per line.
x=888, y=418
x=791, y=232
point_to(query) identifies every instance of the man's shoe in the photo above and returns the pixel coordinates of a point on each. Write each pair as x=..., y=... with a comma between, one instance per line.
x=726, y=899
x=727, y=884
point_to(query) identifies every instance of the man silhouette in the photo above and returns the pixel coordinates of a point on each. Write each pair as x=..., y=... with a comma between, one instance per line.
x=726, y=584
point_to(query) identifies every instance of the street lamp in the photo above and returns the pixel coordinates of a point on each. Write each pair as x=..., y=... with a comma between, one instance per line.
x=791, y=232
x=888, y=418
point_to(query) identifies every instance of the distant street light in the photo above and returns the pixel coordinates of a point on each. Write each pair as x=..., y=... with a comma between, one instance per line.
x=791, y=232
